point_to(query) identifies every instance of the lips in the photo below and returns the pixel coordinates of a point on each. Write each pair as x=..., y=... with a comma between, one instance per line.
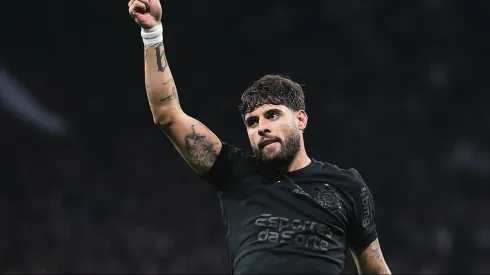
x=266, y=142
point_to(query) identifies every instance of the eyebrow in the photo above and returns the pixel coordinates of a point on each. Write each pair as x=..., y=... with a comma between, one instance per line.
x=273, y=110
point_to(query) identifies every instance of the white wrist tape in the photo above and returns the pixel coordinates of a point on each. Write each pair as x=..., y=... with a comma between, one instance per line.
x=153, y=35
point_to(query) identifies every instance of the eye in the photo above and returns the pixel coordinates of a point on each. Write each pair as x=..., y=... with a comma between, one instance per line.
x=273, y=116
x=252, y=122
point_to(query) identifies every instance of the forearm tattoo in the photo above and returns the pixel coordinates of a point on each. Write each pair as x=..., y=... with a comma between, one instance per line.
x=200, y=148
x=171, y=80
x=170, y=97
x=162, y=63
x=161, y=67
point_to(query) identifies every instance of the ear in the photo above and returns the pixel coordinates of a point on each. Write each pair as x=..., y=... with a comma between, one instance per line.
x=302, y=119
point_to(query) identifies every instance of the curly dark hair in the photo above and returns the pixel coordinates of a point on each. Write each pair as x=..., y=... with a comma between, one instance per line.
x=272, y=89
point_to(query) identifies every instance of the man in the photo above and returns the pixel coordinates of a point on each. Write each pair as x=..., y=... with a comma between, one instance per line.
x=284, y=212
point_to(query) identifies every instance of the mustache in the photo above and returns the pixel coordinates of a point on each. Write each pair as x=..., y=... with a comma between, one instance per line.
x=267, y=140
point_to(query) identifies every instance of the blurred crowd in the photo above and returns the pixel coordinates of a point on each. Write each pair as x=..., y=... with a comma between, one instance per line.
x=395, y=89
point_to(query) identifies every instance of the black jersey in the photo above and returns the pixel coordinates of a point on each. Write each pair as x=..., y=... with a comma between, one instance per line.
x=300, y=222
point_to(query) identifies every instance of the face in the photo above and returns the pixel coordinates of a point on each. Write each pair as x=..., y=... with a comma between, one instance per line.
x=275, y=134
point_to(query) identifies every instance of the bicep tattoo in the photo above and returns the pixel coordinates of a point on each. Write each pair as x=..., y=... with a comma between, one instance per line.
x=200, y=148
x=371, y=261
x=377, y=253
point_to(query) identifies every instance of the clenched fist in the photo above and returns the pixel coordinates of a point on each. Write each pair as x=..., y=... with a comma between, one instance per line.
x=147, y=13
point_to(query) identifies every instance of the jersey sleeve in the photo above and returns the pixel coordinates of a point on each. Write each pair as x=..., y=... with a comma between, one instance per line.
x=362, y=222
x=228, y=168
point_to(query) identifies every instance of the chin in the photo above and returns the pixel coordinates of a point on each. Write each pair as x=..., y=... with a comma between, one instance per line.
x=273, y=159
x=271, y=154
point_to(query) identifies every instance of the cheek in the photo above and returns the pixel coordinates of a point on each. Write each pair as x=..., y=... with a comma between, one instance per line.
x=252, y=137
x=286, y=130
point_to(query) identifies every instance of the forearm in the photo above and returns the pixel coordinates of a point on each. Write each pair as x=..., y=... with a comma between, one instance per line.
x=160, y=86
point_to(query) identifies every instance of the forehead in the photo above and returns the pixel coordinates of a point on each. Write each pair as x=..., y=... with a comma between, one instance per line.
x=265, y=108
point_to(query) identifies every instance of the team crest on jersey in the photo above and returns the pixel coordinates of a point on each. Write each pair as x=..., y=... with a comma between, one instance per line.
x=328, y=198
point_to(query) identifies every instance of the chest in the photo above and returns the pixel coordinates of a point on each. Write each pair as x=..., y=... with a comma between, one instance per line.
x=316, y=205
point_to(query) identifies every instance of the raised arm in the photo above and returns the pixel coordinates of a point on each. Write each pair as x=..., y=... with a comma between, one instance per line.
x=194, y=141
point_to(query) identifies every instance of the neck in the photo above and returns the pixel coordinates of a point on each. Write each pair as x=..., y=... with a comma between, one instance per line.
x=301, y=160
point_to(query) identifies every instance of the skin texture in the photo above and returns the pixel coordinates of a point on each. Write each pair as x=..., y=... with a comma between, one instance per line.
x=371, y=260
x=278, y=123
x=195, y=142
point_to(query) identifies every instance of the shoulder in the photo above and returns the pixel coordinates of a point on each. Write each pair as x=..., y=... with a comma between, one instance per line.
x=232, y=163
x=349, y=181
x=347, y=177
x=230, y=152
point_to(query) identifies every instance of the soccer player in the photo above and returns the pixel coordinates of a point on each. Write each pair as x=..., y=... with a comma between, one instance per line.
x=284, y=212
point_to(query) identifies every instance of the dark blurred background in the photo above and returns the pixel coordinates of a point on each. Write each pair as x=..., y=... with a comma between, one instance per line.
x=396, y=89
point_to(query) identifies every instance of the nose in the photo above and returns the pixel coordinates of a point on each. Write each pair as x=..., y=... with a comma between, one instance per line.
x=264, y=127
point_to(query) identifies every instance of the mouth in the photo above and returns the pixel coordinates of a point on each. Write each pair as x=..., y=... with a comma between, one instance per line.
x=267, y=142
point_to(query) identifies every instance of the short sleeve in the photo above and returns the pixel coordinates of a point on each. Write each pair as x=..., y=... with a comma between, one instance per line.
x=229, y=167
x=362, y=222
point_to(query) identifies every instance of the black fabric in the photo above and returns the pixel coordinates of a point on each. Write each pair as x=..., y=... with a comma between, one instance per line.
x=300, y=222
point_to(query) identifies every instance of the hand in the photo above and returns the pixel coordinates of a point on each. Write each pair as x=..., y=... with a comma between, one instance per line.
x=147, y=13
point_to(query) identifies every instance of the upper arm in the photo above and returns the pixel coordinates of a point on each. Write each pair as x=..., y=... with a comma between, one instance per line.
x=362, y=234
x=198, y=145
x=370, y=260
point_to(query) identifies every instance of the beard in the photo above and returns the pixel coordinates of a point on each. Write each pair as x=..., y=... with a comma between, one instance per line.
x=287, y=152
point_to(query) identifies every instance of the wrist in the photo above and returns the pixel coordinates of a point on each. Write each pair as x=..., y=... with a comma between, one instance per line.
x=153, y=35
